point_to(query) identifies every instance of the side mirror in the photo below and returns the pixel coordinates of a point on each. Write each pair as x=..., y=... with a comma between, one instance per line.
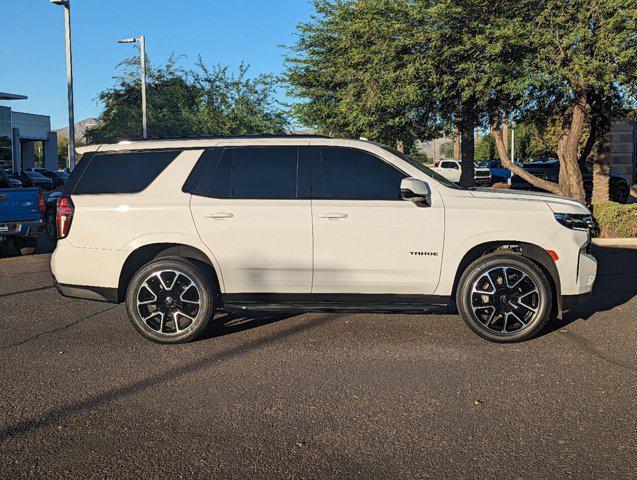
x=416, y=191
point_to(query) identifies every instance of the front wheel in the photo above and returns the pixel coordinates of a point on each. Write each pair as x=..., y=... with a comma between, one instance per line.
x=170, y=300
x=504, y=297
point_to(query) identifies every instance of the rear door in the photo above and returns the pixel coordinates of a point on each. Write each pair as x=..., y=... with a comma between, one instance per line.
x=367, y=240
x=252, y=209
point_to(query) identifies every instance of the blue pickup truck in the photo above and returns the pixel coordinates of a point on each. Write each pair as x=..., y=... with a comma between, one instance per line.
x=21, y=211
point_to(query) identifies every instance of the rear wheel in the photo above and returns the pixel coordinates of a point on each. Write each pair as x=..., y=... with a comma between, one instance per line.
x=25, y=245
x=504, y=297
x=170, y=300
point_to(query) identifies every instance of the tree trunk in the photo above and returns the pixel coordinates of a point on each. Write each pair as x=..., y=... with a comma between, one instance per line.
x=601, y=172
x=467, y=140
x=571, y=182
x=457, y=144
x=503, y=153
x=400, y=146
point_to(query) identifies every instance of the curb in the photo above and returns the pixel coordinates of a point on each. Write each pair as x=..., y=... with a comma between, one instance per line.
x=615, y=242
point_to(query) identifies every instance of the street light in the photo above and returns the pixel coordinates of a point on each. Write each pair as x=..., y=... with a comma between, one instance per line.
x=69, y=78
x=142, y=48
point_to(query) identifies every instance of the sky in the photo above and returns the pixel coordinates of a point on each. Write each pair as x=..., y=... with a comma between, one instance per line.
x=32, y=55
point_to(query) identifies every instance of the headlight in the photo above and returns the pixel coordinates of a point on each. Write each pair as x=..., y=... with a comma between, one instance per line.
x=576, y=221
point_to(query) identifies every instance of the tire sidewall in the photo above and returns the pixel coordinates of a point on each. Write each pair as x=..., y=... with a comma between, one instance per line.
x=477, y=269
x=202, y=283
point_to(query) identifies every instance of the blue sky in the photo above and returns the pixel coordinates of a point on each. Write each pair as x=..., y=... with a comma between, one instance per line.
x=222, y=31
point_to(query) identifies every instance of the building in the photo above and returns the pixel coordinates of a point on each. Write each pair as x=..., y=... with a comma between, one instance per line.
x=623, y=150
x=18, y=133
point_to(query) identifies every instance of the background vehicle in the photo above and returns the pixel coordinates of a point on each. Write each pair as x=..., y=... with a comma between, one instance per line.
x=30, y=179
x=500, y=174
x=49, y=215
x=59, y=177
x=181, y=229
x=7, y=181
x=451, y=170
x=21, y=212
x=550, y=170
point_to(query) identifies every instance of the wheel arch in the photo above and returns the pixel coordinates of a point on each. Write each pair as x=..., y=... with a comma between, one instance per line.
x=146, y=253
x=533, y=252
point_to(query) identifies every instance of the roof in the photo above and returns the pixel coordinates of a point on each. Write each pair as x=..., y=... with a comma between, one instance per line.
x=198, y=142
x=12, y=96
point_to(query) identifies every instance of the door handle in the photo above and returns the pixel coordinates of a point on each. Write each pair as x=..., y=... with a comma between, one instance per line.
x=333, y=215
x=220, y=215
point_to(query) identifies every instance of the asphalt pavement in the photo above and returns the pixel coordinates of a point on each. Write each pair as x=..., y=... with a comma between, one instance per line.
x=82, y=395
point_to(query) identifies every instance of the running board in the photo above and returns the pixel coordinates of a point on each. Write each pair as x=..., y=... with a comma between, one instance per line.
x=335, y=307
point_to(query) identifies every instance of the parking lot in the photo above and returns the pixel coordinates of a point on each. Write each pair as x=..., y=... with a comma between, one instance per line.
x=315, y=395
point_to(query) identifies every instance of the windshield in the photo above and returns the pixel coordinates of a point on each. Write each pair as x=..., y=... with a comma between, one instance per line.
x=424, y=169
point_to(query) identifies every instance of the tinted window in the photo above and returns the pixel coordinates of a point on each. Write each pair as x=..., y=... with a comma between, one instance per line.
x=449, y=165
x=265, y=172
x=129, y=172
x=352, y=174
x=254, y=173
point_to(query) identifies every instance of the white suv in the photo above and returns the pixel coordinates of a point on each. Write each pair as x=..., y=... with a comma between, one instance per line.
x=181, y=229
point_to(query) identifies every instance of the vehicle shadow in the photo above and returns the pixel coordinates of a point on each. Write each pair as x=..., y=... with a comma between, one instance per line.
x=228, y=323
x=44, y=246
x=616, y=285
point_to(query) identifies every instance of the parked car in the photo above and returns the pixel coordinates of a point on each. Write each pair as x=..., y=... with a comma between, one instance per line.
x=452, y=170
x=181, y=229
x=59, y=177
x=21, y=212
x=500, y=174
x=49, y=215
x=30, y=179
x=9, y=181
x=550, y=170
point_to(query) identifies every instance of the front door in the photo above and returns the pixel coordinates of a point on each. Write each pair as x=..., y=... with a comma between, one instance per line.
x=367, y=240
x=252, y=209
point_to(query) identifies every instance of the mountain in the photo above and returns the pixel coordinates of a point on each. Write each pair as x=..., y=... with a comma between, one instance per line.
x=80, y=129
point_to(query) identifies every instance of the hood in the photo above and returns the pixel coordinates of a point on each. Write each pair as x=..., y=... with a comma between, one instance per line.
x=556, y=203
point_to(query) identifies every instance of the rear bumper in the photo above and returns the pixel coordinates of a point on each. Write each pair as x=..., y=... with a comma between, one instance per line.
x=29, y=228
x=99, y=294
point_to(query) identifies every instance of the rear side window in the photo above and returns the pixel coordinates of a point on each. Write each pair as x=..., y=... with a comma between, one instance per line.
x=126, y=172
x=351, y=174
x=254, y=173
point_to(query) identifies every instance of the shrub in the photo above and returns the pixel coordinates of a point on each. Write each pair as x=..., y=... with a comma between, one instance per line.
x=616, y=220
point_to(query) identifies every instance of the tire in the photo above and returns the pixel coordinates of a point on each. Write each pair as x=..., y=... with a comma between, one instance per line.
x=51, y=228
x=504, y=311
x=25, y=245
x=160, y=286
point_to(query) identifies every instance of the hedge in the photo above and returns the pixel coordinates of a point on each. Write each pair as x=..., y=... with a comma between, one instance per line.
x=616, y=220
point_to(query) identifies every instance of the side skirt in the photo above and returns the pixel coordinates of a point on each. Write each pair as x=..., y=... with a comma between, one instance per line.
x=337, y=303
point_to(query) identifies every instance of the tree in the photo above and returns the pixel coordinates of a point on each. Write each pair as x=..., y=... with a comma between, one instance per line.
x=357, y=68
x=580, y=53
x=203, y=101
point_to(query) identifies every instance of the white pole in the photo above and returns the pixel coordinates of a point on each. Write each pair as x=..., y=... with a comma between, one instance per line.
x=142, y=44
x=512, y=144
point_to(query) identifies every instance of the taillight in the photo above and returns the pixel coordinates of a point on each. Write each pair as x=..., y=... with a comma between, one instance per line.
x=64, y=216
x=41, y=204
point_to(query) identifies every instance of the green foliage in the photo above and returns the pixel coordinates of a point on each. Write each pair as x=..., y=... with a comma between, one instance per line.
x=616, y=220
x=485, y=149
x=358, y=70
x=446, y=150
x=203, y=101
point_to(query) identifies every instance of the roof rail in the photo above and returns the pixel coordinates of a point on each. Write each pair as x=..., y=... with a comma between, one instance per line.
x=223, y=137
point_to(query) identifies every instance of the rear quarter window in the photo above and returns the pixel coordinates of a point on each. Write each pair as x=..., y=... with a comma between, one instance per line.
x=112, y=173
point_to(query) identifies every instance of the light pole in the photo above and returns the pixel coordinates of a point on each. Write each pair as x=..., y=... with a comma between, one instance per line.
x=142, y=49
x=69, y=78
